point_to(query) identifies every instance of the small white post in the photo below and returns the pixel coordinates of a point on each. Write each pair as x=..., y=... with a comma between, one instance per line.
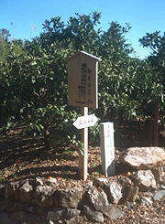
x=84, y=158
x=107, y=148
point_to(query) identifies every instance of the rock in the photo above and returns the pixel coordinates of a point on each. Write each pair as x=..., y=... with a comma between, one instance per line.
x=159, y=174
x=74, y=220
x=12, y=190
x=22, y=217
x=113, y=191
x=92, y=215
x=145, y=180
x=130, y=205
x=68, y=198
x=144, y=157
x=146, y=200
x=25, y=191
x=100, y=182
x=106, y=210
x=14, y=206
x=62, y=214
x=88, y=185
x=71, y=213
x=39, y=180
x=4, y=218
x=20, y=190
x=54, y=216
x=96, y=199
x=159, y=196
x=115, y=213
x=2, y=190
x=129, y=190
x=44, y=191
x=44, y=196
x=112, y=212
x=162, y=187
x=46, y=181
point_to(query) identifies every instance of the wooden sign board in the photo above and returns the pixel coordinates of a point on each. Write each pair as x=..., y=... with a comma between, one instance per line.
x=82, y=80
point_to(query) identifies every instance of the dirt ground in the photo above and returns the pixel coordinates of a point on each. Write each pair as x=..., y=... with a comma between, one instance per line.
x=24, y=157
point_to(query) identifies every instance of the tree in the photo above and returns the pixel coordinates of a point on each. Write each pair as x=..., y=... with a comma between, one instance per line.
x=33, y=77
x=36, y=71
x=156, y=42
x=116, y=74
x=79, y=33
x=4, y=44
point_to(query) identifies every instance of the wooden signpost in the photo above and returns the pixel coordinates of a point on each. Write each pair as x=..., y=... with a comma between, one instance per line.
x=82, y=92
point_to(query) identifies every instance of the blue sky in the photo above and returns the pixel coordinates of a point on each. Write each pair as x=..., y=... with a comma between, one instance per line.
x=24, y=18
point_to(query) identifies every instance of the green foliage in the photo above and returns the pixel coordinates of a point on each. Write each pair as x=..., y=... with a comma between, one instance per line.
x=156, y=43
x=79, y=33
x=33, y=76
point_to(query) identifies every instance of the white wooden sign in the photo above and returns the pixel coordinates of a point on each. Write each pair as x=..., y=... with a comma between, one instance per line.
x=85, y=121
x=107, y=148
x=82, y=80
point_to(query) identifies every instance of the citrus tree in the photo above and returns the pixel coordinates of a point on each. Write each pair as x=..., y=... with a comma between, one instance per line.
x=33, y=76
x=156, y=104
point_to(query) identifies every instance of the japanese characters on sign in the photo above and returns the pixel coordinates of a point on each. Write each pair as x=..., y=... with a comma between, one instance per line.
x=82, y=80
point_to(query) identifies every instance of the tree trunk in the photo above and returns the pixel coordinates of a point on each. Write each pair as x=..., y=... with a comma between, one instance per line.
x=156, y=118
x=46, y=137
x=148, y=132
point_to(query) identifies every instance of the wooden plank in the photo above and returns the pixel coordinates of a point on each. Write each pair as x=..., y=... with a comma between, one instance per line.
x=82, y=81
x=84, y=157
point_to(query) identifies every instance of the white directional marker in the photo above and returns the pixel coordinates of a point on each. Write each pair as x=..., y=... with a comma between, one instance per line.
x=85, y=121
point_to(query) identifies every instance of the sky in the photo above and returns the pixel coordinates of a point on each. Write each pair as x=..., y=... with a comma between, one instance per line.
x=24, y=18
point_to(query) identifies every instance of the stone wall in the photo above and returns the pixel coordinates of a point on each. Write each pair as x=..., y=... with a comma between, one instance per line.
x=40, y=200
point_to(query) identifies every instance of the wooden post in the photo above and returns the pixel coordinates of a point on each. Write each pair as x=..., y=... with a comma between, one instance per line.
x=84, y=155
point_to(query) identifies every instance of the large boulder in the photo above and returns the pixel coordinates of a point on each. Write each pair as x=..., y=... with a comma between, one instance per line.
x=145, y=180
x=61, y=215
x=96, y=199
x=68, y=198
x=44, y=196
x=112, y=188
x=26, y=191
x=94, y=216
x=20, y=190
x=130, y=190
x=113, y=191
x=144, y=157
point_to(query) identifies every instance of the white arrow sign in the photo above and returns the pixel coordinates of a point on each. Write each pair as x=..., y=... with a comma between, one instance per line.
x=85, y=121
